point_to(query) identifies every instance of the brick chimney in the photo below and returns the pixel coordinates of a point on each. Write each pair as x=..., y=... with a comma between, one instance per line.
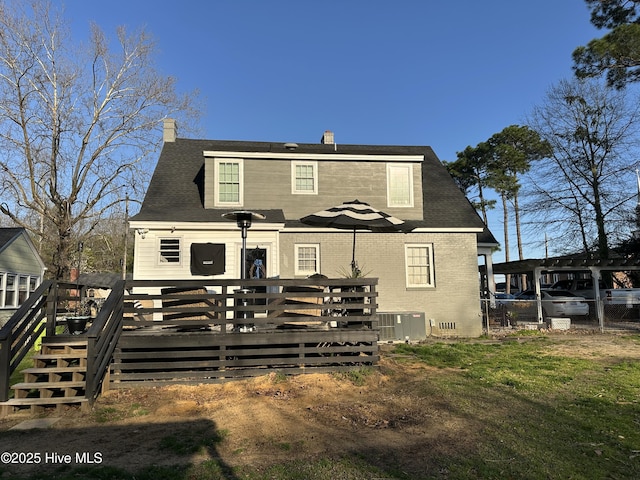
x=327, y=138
x=170, y=131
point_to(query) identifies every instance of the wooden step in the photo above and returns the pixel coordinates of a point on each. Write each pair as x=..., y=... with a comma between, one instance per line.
x=48, y=385
x=56, y=356
x=56, y=360
x=37, y=404
x=44, y=401
x=63, y=349
x=57, y=378
x=54, y=374
x=55, y=390
x=63, y=343
x=44, y=370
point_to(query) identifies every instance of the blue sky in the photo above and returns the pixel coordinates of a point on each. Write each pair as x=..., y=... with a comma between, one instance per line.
x=419, y=72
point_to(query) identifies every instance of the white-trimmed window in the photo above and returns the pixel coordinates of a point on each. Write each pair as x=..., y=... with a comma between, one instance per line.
x=304, y=177
x=11, y=298
x=307, y=259
x=399, y=185
x=15, y=289
x=229, y=182
x=23, y=289
x=169, y=251
x=419, y=265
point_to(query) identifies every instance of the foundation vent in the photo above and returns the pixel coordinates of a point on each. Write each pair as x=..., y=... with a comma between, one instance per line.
x=447, y=325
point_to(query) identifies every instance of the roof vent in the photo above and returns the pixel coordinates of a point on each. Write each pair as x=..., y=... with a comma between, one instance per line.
x=290, y=146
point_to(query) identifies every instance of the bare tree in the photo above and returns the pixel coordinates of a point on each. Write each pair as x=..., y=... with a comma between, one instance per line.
x=78, y=124
x=104, y=249
x=577, y=194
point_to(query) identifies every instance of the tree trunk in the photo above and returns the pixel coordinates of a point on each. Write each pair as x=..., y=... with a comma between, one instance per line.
x=483, y=205
x=516, y=208
x=603, y=244
x=505, y=219
x=61, y=257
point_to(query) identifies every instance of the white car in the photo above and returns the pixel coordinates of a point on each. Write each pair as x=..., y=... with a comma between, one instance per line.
x=559, y=303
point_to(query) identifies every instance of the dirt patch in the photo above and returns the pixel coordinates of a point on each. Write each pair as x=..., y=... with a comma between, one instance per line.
x=388, y=416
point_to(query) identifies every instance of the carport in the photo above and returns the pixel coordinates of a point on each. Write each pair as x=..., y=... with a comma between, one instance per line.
x=535, y=268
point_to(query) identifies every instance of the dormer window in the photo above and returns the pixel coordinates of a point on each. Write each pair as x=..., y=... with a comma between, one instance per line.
x=228, y=182
x=400, y=185
x=304, y=178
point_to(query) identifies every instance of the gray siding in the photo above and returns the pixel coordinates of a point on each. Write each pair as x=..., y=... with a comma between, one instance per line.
x=18, y=257
x=267, y=185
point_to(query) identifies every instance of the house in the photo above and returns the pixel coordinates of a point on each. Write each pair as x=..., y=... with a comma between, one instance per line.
x=21, y=270
x=430, y=273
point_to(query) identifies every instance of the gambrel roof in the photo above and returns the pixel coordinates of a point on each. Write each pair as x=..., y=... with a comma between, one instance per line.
x=176, y=190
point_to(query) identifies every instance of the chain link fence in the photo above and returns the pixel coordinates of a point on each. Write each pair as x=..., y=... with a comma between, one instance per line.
x=516, y=313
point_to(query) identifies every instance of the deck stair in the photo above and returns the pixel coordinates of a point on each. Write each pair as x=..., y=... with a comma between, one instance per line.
x=58, y=378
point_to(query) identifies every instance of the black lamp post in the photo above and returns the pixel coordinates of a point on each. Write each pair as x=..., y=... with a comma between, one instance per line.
x=243, y=219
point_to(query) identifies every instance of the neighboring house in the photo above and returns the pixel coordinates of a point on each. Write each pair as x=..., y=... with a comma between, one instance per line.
x=432, y=271
x=21, y=270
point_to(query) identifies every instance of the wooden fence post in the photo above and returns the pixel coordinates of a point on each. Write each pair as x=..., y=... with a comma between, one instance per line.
x=90, y=377
x=52, y=309
x=5, y=365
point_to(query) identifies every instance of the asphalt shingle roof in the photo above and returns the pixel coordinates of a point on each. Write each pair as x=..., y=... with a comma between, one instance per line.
x=176, y=189
x=8, y=234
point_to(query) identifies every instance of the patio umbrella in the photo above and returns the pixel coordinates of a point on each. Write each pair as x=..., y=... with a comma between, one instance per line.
x=356, y=215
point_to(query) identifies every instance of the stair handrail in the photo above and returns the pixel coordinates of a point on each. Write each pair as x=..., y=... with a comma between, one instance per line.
x=21, y=332
x=102, y=338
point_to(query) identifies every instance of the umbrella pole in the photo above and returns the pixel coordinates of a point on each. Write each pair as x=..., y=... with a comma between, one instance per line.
x=353, y=254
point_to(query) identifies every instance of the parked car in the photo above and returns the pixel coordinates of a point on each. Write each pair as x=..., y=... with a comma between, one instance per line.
x=611, y=296
x=504, y=298
x=580, y=286
x=558, y=303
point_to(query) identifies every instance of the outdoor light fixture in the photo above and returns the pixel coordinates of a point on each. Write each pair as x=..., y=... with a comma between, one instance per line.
x=243, y=219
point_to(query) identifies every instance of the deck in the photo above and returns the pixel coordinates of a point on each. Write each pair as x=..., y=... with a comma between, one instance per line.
x=187, y=332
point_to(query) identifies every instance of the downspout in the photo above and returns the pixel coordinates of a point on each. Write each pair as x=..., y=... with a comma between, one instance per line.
x=491, y=282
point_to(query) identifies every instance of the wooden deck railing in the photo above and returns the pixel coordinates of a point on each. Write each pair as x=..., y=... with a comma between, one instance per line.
x=102, y=338
x=22, y=330
x=227, y=306
x=219, y=306
x=43, y=312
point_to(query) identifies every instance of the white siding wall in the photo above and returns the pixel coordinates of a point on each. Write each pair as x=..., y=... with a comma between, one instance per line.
x=148, y=267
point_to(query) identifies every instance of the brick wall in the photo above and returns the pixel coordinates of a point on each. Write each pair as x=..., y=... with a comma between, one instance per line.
x=453, y=304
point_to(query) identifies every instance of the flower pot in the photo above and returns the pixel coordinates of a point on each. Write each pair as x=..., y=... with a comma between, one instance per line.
x=77, y=325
